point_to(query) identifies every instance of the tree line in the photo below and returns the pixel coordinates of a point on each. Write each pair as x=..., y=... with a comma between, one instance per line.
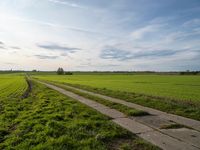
x=61, y=71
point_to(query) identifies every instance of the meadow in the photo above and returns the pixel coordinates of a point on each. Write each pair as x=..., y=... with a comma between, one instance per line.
x=47, y=119
x=178, y=87
x=176, y=94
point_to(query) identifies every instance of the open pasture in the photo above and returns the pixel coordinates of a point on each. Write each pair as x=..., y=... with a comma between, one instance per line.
x=169, y=86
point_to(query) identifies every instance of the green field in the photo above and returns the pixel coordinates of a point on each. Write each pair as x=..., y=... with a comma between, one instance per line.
x=170, y=86
x=47, y=119
x=174, y=94
x=12, y=85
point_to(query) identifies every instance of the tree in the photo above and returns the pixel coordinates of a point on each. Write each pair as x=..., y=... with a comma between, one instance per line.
x=60, y=71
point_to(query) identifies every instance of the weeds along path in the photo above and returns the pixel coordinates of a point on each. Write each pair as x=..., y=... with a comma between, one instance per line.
x=156, y=128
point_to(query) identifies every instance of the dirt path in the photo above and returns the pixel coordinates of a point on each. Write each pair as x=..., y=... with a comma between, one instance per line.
x=145, y=127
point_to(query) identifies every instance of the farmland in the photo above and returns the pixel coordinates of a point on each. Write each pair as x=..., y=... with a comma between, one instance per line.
x=171, y=93
x=170, y=86
x=47, y=119
x=12, y=85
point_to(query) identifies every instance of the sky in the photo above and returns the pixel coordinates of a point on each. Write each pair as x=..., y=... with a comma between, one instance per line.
x=100, y=35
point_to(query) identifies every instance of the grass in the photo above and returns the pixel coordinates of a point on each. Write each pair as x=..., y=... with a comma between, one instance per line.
x=184, y=88
x=190, y=109
x=49, y=120
x=173, y=126
x=122, y=108
x=12, y=85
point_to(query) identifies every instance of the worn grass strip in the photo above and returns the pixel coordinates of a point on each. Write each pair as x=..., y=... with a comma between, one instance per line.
x=174, y=126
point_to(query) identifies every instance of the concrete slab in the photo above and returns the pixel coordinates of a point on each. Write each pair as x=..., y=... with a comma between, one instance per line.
x=110, y=112
x=132, y=125
x=187, y=135
x=153, y=121
x=166, y=142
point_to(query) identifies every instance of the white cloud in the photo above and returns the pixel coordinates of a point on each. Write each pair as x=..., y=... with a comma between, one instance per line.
x=141, y=32
x=68, y=4
x=44, y=23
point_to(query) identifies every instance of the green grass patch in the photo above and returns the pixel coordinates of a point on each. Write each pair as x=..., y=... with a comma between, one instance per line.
x=173, y=126
x=136, y=145
x=137, y=113
x=49, y=120
x=183, y=88
x=12, y=85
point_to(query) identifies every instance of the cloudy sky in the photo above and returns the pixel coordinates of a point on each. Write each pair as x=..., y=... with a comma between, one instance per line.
x=161, y=35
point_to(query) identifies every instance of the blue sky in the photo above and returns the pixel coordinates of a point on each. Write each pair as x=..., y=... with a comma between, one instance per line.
x=127, y=35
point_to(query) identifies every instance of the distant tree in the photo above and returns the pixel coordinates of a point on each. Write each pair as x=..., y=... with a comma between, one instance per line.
x=189, y=73
x=60, y=71
x=34, y=70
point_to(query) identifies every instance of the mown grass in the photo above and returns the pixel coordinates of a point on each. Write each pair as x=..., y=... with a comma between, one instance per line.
x=183, y=108
x=122, y=108
x=50, y=120
x=182, y=88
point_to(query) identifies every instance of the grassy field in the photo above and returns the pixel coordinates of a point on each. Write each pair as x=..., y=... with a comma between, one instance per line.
x=47, y=119
x=12, y=85
x=170, y=86
x=170, y=93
